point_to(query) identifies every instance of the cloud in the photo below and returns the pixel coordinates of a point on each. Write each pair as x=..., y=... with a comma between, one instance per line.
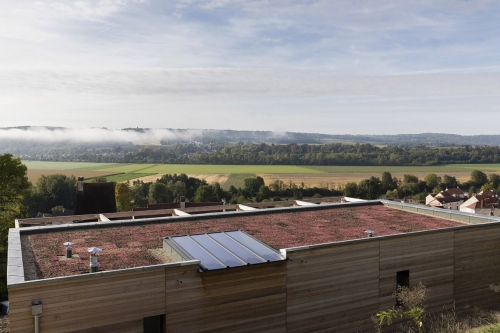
x=92, y=135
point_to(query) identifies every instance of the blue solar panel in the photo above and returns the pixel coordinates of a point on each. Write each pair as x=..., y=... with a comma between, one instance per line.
x=219, y=250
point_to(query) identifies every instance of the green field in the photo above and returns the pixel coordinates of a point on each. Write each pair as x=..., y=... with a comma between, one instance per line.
x=251, y=169
x=237, y=180
x=230, y=169
x=235, y=174
x=43, y=165
x=429, y=169
x=123, y=177
x=126, y=168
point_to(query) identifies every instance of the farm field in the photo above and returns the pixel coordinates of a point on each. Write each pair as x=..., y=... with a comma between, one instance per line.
x=227, y=175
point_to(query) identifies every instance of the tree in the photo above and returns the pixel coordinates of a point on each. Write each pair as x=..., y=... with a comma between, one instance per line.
x=159, y=193
x=449, y=181
x=432, y=180
x=351, y=190
x=139, y=193
x=57, y=190
x=478, y=178
x=409, y=179
x=123, y=196
x=369, y=188
x=494, y=180
x=204, y=193
x=14, y=185
x=252, y=185
x=387, y=182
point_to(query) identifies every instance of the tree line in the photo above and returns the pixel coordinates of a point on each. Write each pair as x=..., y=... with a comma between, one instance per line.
x=390, y=187
x=275, y=154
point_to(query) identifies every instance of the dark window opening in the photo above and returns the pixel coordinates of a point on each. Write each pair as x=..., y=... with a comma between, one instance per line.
x=154, y=324
x=402, y=280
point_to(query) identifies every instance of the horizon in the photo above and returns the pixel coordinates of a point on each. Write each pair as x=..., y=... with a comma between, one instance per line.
x=305, y=66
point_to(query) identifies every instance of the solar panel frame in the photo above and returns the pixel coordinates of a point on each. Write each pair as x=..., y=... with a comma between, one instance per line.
x=270, y=255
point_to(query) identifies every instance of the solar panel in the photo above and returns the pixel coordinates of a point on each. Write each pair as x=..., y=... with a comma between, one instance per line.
x=218, y=250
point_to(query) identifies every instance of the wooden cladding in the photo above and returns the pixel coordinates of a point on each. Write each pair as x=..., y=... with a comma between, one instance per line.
x=322, y=289
x=244, y=299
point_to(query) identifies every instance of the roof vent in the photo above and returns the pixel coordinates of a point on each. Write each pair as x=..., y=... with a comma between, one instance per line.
x=94, y=261
x=69, y=249
x=370, y=233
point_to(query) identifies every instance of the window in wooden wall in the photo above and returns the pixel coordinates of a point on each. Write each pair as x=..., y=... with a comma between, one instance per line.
x=402, y=280
x=153, y=324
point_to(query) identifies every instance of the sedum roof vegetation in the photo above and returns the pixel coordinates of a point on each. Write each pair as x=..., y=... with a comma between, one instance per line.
x=127, y=247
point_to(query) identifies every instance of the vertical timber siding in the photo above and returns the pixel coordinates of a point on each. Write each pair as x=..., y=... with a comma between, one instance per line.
x=333, y=289
x=118, y=302
x=245, y=299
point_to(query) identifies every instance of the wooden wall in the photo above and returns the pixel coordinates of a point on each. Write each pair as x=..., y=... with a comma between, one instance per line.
x=117, y=301
x=245, y=299
x=333, y=288
x=477, y=265
x=428, y=256
x=323, y=289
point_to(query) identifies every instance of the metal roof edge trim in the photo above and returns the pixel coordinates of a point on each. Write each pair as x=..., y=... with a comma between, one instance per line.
x=367, y=239
x=176, y=219
x=15, y=265
x=419, y=208
x=99, y=274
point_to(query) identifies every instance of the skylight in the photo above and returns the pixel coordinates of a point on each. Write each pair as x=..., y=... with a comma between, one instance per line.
x=218, y=250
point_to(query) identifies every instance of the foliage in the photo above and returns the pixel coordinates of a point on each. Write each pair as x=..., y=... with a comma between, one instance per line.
x=478, y=178
x=351, y=190
x=123, y=197
x=279, y=154
x=252, y=185
x=411, y=310
x=204, y=193
x=14, y=185
x=55, y=190
x=13, y=181
x=159, y=193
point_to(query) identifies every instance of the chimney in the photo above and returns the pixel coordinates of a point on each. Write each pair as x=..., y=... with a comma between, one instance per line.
x=94, y=260
x=183, y=202
x=79, y=185
x=69, y=249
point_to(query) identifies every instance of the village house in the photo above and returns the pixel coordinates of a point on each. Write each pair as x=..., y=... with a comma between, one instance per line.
x=450, y=198
x=486, y=203
x=309, y=268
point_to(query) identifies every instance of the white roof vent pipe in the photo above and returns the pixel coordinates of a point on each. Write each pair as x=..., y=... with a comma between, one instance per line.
x=69, y=249
x=94, y=260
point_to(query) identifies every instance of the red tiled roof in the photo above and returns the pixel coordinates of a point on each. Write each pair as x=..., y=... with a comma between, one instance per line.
x=125, y=247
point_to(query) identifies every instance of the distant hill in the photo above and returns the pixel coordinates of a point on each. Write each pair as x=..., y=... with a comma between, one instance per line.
x=26, y=137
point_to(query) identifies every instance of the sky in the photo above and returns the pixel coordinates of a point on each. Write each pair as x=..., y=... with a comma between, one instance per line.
x=334, y=67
